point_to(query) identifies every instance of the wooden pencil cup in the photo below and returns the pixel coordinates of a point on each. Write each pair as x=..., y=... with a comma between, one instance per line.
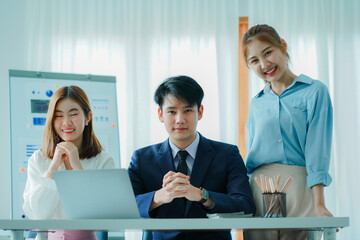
x=274, y=204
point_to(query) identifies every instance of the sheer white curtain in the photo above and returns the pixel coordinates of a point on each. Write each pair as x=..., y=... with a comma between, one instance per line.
x=323, y=41
x=141, y=43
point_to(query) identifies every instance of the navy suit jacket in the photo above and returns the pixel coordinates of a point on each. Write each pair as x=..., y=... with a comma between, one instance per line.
x=218, y=168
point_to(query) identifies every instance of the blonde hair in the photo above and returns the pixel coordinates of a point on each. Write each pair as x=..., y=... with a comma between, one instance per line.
x=263, y=33
x=90, y=144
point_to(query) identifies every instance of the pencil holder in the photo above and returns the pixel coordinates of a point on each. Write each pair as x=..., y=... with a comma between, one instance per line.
x=274, y=204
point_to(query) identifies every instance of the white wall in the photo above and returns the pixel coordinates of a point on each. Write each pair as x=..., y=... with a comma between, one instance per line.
x=12, y=45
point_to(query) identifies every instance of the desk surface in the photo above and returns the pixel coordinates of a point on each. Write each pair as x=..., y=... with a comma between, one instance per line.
x=178, y=224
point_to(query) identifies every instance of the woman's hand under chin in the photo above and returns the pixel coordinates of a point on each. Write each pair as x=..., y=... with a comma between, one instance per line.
x=72, y=160
x=59, y=157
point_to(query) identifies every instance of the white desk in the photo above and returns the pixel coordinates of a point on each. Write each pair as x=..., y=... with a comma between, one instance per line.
x=328, y=225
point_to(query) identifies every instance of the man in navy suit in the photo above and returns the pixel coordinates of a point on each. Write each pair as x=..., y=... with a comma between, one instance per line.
x=188, y=176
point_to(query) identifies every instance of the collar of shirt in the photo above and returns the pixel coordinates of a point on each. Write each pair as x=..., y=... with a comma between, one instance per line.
x=191, y=149
x=301, y=78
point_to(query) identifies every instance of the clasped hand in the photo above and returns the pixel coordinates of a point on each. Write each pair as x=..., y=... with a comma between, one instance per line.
x=175, y=185
x=67, y=153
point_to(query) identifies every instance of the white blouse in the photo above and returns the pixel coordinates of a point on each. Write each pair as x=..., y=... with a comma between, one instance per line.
x=41, y=199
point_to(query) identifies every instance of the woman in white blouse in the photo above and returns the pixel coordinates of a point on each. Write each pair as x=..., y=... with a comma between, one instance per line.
x=69, y=143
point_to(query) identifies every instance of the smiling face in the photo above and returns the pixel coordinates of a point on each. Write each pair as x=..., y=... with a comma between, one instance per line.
x=70, y=121
x=267, y=61
x=180, y=120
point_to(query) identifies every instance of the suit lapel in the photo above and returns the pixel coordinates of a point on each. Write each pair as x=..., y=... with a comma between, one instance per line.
x=204, y=157
x=202, y=162
x=165, y=160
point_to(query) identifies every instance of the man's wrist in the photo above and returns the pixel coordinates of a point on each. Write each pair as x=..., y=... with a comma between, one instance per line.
x=155, y=201
x=204, y=195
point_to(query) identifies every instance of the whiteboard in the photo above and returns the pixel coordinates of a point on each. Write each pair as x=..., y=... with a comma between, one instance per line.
x=30, y=93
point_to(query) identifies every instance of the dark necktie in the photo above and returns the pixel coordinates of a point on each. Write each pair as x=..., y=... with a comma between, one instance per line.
x=182, y=167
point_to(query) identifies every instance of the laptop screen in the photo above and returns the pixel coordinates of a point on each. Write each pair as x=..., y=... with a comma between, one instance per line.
x=96, y=194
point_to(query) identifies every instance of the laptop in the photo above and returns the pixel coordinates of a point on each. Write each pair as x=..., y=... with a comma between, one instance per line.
x=96, y=194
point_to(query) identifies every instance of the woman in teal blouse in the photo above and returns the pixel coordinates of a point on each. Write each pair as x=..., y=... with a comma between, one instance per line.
x=289, y=128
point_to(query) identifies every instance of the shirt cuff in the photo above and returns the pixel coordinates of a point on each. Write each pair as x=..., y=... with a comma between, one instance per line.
x=319, y=178
x=47, y=183
x=212, y=206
